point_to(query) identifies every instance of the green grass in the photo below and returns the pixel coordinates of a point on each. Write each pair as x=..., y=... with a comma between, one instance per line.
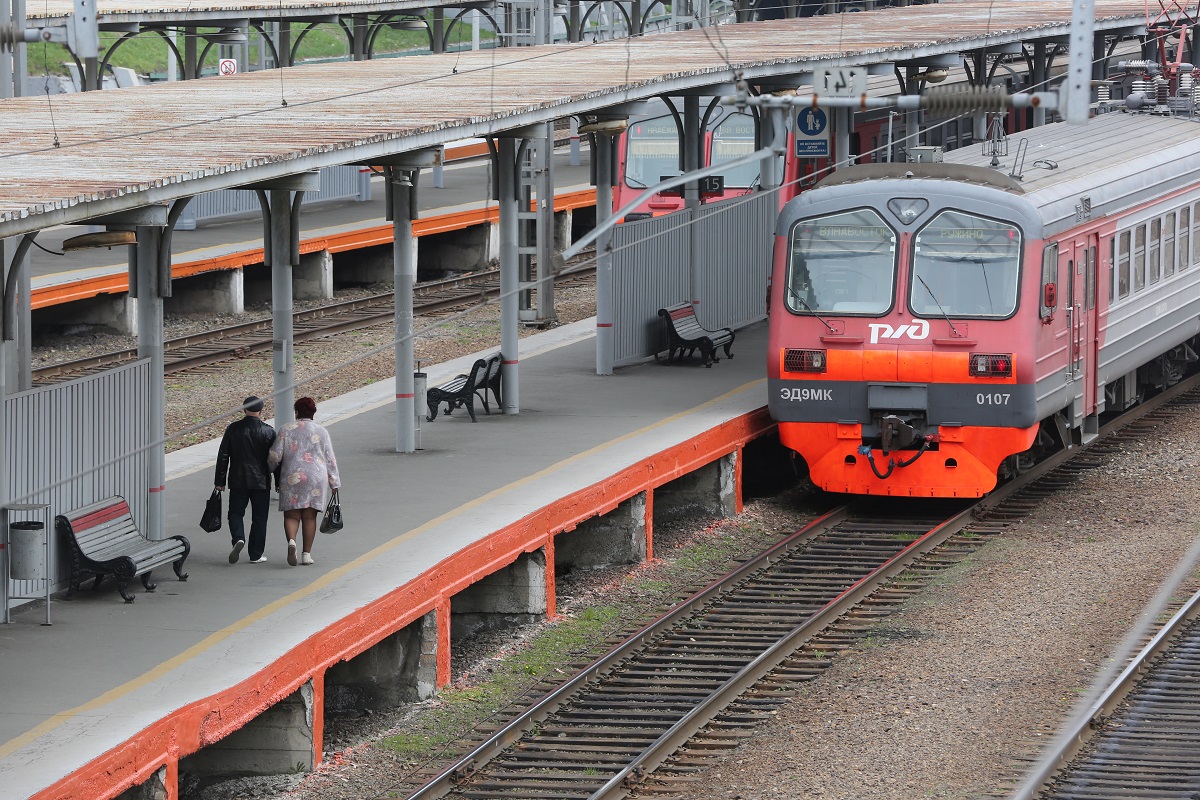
x=583, y=636
x=460, y=709
x=147, y=53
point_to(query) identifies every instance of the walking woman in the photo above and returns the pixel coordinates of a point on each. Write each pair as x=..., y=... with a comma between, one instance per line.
x=308, y=469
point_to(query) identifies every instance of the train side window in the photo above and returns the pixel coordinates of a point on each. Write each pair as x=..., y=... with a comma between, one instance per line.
x=1196, y=233
x=1049, y=279
x=1123, y=264
x=1152, y=245
x=1090, y=278
x=1168, y=257
x=1185, y=227
x=1112, y=269
x=1139, y=258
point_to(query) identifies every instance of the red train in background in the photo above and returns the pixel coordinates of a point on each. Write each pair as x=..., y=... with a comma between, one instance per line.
x=935, y=326
x=649, y=149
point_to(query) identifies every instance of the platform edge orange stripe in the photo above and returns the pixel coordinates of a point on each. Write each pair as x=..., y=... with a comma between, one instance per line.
x=47, y=296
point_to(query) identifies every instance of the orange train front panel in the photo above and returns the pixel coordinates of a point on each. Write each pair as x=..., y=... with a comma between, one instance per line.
x=902, y=422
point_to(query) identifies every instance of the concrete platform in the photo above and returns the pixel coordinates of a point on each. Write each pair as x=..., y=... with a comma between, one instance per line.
x=113, y=694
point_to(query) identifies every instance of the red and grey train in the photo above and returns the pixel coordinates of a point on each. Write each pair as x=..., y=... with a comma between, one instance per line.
x=934, y=325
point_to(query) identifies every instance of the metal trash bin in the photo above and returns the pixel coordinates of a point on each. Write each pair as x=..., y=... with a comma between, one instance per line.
x=27, y=559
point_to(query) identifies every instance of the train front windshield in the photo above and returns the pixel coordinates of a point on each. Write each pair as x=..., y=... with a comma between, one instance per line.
x=842, y=264
x=652, y=152
x=733, y=138
x=965, y=266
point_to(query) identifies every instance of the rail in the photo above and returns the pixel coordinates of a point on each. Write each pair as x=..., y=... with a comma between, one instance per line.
x=243, y=339
x=532, y=765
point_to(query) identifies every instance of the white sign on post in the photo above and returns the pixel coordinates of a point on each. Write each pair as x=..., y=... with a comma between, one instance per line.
x=227, y=66
x=844, y=81
x=812, y=133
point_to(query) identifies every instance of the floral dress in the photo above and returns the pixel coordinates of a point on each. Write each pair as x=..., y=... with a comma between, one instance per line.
x=309, y=469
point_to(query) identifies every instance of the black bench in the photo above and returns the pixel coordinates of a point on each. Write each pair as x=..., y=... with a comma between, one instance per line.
x=491, y=382
x=104, y=540
x=684, y=336
x=459, y=392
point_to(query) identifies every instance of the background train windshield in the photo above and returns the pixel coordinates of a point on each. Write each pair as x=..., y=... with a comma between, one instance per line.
x=965, y=266
x=842, y=264
x=734, y=138
x=652, y=152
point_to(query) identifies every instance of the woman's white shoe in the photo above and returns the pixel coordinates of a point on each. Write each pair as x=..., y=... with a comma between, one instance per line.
x=306, y=558
x=292, y=552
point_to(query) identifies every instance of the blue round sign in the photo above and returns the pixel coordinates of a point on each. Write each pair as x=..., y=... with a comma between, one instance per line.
x=812, y=121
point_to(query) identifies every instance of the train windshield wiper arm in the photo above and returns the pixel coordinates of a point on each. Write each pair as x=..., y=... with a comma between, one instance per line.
x=941, y=308
x=800, y=299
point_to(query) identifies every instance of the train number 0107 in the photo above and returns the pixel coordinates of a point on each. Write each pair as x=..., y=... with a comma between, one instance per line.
x=992, y=398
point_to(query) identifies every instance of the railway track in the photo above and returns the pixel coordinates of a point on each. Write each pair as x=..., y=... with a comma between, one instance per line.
x=601, y=733
x=238, y=341
x=647, y=717
x=1141, y=738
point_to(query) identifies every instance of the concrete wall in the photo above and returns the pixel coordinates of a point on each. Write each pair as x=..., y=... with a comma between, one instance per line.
x=276, y=742
x=400, y=669
x=710, y=491
x=446, y=254
x=220, y=292
x=118, y=312
x=512, y=596
x=618, y=537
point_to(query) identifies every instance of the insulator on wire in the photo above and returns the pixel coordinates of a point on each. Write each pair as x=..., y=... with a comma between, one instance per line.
x=1139, y=64
x=1103, y=92
x=961, y=99
x=1187, y=85
x=1162, y=90
x=1143, y=87
x=10, y=36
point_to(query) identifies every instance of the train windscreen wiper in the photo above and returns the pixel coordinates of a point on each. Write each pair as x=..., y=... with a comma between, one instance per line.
x=941, y=308
x=800, y=299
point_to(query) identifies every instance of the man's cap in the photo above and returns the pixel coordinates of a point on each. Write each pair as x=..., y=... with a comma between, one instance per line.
x=252, y=403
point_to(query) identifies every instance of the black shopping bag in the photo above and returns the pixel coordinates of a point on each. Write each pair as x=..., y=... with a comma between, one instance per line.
x=332, y=521
x=211, y=521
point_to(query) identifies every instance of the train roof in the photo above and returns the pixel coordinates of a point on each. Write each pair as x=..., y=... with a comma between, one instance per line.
x=1115, y=161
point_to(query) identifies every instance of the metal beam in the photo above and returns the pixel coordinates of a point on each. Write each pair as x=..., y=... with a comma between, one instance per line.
x=404, y=272
x=297, y=182
x=146, y=215
x=430, y=157
x=509, y=274
x=150, y=346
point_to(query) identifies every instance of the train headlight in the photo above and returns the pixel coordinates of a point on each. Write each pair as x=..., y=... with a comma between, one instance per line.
x=804, y=361
x=991, y=365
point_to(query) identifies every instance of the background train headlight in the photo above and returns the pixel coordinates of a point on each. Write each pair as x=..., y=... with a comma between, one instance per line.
x=991, y=365
x=804, y=361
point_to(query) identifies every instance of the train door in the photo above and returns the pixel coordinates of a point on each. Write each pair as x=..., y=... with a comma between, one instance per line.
x=1081, y=304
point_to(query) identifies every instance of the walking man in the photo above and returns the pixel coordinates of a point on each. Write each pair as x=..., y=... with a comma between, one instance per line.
x=243, y=458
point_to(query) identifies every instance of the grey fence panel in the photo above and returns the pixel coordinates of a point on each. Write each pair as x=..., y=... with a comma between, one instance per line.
x=650, y=271
x=337, y=183
x=738, y=239
x=63, y=433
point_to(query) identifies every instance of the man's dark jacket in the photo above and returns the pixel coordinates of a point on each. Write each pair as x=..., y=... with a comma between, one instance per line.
x=243, y=455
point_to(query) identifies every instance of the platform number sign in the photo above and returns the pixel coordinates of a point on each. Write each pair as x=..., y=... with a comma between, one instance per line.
x=227, y=66
x=812, y=133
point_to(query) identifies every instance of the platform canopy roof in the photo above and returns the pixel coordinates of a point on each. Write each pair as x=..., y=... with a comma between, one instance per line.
x=69, y=158
x=210, y=12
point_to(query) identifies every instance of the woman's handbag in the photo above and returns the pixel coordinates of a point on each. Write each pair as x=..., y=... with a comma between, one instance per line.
x=332, y=521
x=211, y=520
